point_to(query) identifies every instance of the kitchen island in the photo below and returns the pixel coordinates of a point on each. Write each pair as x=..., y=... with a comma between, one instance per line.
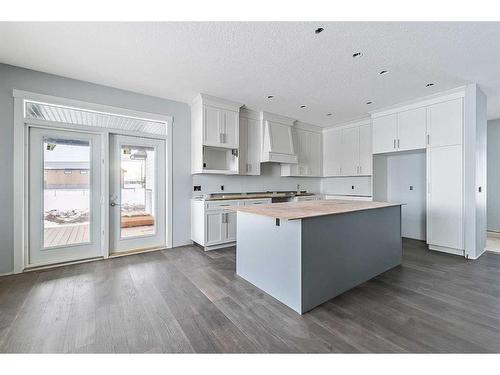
x=305, y=253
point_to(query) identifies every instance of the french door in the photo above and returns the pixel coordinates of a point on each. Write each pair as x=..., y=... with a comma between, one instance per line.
x=64, y=196
x=137, y=193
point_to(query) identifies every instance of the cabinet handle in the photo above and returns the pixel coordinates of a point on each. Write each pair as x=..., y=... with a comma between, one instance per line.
x=394, y=143
x=249, y=167
x=398, y=142
x=428, y=139
x=360, y=169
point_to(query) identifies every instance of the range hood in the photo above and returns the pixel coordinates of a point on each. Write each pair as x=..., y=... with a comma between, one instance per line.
x=277, y=141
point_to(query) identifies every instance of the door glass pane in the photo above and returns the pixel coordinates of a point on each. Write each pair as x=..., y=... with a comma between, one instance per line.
x=137, y=191
x=66, y=188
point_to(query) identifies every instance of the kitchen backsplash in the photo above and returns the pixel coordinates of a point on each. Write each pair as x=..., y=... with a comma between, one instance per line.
x=269, y=180
x=347, y=185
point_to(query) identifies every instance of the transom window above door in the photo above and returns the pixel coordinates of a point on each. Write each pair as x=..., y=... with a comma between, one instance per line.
x=78, y=116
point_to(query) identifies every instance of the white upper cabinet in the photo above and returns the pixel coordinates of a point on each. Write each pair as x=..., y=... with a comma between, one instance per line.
x=350, y=151
x=249, y=143
x=231, y=129
x=212, y=125
x=214, y=135
x=385, y=133
x=365, y=150
x=332, y=152
x=401, y=131
x=347, y=151
x=412, y=130
x=220, y=127
x=307, y=145
x=445, y=123
x=315, y=154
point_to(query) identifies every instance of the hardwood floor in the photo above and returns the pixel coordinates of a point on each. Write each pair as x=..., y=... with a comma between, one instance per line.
x=185, y=300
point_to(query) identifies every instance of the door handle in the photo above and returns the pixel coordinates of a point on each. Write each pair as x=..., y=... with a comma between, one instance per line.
x=113, y=204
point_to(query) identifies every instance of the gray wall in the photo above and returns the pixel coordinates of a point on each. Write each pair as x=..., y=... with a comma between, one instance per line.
x=23, y=79
x=405, y=170
x=493, y=166
x=394, y=174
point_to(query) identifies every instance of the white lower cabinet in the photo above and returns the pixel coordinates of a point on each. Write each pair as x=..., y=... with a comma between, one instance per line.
x=213, y=231
x=445, y=225
x=212, y=225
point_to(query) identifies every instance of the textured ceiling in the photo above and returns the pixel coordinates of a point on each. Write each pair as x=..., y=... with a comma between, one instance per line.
x=246, y=62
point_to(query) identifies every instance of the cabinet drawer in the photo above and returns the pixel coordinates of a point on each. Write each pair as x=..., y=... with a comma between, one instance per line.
x=219, y=205
x=250, y=202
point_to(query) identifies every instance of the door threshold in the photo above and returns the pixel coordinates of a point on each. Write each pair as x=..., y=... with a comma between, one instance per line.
x=135, y=251
x=60, y=264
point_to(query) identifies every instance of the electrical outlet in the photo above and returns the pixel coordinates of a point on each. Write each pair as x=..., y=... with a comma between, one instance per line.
x=352, y=187
x=222, y=188
x=197, y=187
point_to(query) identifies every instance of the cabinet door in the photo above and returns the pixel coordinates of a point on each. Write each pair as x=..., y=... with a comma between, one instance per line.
x=445, y=123
x=412, y=129
x=231, y=129
x=365, y=149
x=243, y=157
x=314, y=147
x=384, y=133
x=350, y=151
x=230, y=226
x=253, y=146
x=332, y=151
x=445, y=196
x=303, y=152
x=212, y=125
x=214, y=227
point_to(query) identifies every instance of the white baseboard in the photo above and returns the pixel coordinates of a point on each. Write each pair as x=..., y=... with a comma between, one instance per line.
x=447, y=250
x=493, y=234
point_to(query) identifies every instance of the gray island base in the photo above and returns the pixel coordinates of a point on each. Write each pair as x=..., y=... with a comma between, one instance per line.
x=305, y=261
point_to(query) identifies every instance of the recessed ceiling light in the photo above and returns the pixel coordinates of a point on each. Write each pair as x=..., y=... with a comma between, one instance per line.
x=329, y=114
x=270, y=96
x=383, y=72
x=318, y=30
x=357, y=54
x=369, y=102
x=302, y=106
x=429, y=85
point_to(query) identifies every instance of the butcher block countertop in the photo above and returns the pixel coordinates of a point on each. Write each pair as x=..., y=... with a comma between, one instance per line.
x=302, y=210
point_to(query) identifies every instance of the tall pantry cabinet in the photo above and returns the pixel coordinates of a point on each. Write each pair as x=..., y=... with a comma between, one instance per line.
x=445, y=177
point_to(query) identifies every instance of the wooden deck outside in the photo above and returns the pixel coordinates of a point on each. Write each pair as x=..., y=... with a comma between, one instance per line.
x=66, y=235
x=79, y=233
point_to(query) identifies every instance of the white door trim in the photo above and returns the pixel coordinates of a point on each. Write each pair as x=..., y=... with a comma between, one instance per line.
x=20, y=178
